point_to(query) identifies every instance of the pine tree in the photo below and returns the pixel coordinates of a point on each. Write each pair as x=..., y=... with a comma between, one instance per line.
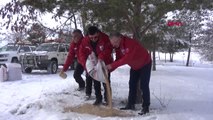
x=37, y=34
x=204, y=42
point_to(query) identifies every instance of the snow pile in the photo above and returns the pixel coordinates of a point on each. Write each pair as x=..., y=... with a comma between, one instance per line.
x=14, y=68
x=3, y=73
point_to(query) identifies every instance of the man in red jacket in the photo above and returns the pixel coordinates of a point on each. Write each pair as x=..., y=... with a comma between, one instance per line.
x=131, y=52
x=99, y=43
x=73, y=53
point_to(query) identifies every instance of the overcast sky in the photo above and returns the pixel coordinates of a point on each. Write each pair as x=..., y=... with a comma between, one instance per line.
x=3, y=2
x=46, y=19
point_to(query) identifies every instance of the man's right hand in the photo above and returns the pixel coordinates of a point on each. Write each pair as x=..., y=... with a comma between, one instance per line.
x=63, y=74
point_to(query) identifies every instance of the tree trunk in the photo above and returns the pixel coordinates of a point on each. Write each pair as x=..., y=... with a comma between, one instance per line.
x=188, y=58
x=189, y=50
x=159, y=55
x=83, y=17
x=75, y=22
x=83, y=21
x=165, y=57
x=136, y=35
x=154, y=61
x=154, y=56
x=171, y=57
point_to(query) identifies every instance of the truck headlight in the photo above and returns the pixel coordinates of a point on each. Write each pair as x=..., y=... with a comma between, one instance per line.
x=5, y=55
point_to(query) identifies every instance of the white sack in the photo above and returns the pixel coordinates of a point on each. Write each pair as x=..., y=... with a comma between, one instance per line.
x=14, y=71
x=3, y=74
x=94, y=68
x=101, y=69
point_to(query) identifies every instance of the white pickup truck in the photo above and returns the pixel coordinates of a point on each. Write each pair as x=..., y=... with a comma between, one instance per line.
x=47, y=56
x=10, y=53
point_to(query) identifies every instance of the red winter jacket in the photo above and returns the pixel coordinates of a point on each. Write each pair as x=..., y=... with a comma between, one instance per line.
x=73, y=52
x=103, y=49
x=132, y=53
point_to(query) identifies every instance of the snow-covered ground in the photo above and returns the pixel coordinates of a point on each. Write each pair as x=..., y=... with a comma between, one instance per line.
x=177, y=93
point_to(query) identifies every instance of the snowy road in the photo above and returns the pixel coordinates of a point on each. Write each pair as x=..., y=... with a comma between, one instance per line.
x=177, y=93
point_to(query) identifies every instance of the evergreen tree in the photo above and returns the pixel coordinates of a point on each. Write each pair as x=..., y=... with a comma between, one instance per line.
x=36, y=33
x=192, y=22
x=132, y=16
x=205, y=41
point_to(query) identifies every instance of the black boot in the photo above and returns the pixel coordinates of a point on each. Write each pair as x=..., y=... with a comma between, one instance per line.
x=106, y=102
x=97, y=102
x=87, y=97
x=80, y=88
x=128, y=107
x=145, y=110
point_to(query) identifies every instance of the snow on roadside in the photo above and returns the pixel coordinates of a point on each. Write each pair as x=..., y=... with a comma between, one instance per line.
x=180, y=59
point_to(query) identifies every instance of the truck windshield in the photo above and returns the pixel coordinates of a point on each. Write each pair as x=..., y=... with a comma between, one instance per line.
x=47, y=47
x=9, y=48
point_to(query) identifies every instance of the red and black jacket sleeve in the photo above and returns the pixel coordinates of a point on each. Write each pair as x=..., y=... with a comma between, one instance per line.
x=106, y=54
x=70, y=57
x=83, y=52
x=130, y=50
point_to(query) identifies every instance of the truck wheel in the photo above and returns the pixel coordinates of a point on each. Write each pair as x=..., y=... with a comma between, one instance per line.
x=14, y=60
x=28, y=70
x=53, y=67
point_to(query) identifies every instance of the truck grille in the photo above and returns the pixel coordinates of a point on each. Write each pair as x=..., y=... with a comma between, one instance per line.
x=3, y=60
x=28, y=60
x=29, y=57
x=31, y=60
x=3, y=56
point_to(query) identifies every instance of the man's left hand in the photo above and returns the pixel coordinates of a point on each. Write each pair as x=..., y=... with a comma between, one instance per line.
x=109, y=67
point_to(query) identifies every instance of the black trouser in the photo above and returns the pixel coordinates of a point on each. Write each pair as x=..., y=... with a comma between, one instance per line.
x=97, y=87
x=143, y=74
x=77, y=75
